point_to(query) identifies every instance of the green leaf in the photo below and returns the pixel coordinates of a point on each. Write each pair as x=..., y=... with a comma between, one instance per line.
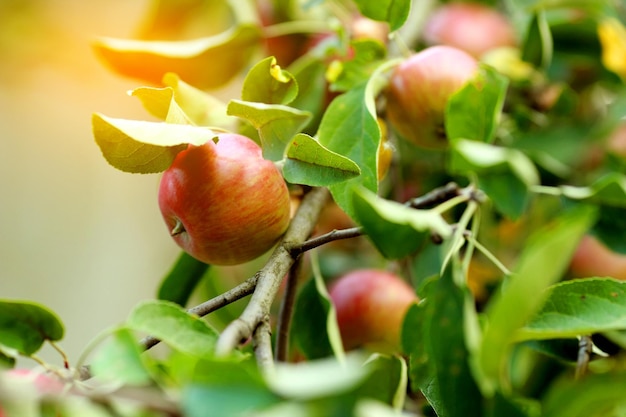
x=277, y=124
x=544, y=260
x=160, y=103
x=349, y=127
x=144, y=147
x=367, y=56
x=596, y=395
x=7, y=360
x=609, y=190
x=434, y=338
x=25, y=326
x=267, y=83
x=396, y=229
x=473, y=112
x=504, y=174
x=387, y=381
x=120, y=360
x=182, y=279
x=579, y=307
x=205, y=63
x=318, y=378
x=314, y=328
x=538, y=45
x=395, y=12
x=174, y=326
x=310, y=163
x=226, y=387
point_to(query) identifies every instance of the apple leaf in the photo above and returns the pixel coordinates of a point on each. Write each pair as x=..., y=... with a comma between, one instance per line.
x=205, y=62
x=182, y=279
x=277, y=124
x=310, y=163
x=504, y=174
x=144, y=147
x=120, y=360
x=595, y=395
x=201, y=108
x=7, y=361
x=309, y=72
x=538, y=45
x=433, y=336
x=349, y=127
x=318, y=378
x=226, y=388
x=25, y=326
x=314, y=329
x=357, y=70
x=173, y=325
x=543, y=261
x=267, y=83
x=609, y=190
x=579, y=307
x=396, y=229
x=394, y=12
x=473, y=112
x=387, y=381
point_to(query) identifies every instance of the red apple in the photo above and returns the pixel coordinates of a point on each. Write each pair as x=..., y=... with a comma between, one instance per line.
x=44, y=383
x=222, y=202
x=371, y=305
x=472, y=27
x=593, y=259
x=419, y=89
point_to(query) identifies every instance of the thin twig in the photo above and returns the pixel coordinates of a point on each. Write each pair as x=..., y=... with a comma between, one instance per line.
x=326, y=238
x=436, y=196
x=240, y=291
x=286, y=312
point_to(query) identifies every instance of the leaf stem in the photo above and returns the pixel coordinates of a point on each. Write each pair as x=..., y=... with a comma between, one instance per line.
x=66, y=362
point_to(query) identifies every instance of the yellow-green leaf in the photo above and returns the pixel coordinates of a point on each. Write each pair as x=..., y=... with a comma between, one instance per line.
x=207, y=62
x=144, y=147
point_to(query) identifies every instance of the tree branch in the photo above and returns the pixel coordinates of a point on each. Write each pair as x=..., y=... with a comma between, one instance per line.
x=271, y=275
x=242, y=290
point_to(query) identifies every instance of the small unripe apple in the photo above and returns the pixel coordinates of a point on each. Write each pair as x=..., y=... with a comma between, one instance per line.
x=419, y=89
x=371, y=305
x=472, y=27
x=594, y=259
x=222, y=202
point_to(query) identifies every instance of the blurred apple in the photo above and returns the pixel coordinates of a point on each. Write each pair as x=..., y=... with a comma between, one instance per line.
x=472, y=27
x=223, y=203
x=419, y=89
x=363, y=28
x=285, y=48
x=594, y=259
x=371, y=305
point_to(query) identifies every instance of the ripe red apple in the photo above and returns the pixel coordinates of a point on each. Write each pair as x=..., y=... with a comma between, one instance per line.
x=472, y=27
x=419, y=89
x=371, y=305
x=593, y=259
x=222, y=202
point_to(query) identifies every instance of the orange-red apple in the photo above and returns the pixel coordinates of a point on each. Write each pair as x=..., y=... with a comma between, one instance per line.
x=419, y=89
x=371, y=305
x=594, y=259
x=472, y=27
x=222, y=202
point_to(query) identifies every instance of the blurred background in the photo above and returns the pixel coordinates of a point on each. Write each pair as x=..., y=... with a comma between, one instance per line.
x=76, y=235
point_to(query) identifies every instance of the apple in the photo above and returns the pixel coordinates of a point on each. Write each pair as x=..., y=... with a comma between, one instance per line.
x=419, y=89
x=472, y=27
x=364, y=28
x=285, y=48
x=594, y=259
x=371, y=305
x=222, y=202
x=44, y=383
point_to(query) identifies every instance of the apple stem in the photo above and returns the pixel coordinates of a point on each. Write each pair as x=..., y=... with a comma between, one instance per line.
x=178, y=228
